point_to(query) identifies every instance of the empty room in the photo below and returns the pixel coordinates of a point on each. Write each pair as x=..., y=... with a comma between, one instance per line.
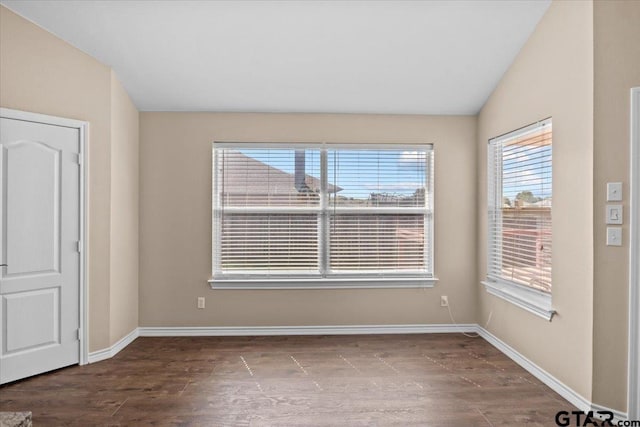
x=320, y=213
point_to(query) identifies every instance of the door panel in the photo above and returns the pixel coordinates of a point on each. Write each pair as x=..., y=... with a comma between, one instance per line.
x=33, y=208
x=37, y=313
x=40, y=226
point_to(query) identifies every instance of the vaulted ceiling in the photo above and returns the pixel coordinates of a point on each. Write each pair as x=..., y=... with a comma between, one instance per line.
x=394, y=57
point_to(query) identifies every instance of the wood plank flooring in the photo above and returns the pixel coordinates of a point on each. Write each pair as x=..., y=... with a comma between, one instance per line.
x=364, y=380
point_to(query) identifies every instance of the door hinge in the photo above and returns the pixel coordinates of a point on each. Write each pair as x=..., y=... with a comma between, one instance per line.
x=77, y=158
x=79, y=331
x=79, y=245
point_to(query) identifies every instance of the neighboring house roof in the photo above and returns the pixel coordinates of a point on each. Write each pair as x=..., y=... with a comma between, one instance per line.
x=545, y=203
x=251, y=176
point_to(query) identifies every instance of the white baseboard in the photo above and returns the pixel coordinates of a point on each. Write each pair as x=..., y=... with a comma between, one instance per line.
x=107, y=353
x=556, y=385
x=552, y=382
x=220, y=331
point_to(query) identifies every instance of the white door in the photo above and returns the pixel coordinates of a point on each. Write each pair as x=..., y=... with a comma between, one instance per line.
x=40, y=227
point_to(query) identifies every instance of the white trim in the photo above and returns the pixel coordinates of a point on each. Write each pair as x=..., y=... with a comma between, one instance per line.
x=324, y=283
x=513, y=134
x=430, y=216
x=321, y=277
x=109, y=352
x=633, y=395
x=41, y=118
x=317, y=209
x=218, y=331
x=497, y=283
x=552, y=382
x=533, y=301
x=221, y=331
x=83, y=129
x=549, y=380
x=84, y=239
x=322, y=145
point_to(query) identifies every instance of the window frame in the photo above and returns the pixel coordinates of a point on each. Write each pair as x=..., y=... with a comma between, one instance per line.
x=329, y=280
x=528, y=298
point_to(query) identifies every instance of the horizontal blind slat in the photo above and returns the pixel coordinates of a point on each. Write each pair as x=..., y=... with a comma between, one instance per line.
x=520, y=207
x=390, y=190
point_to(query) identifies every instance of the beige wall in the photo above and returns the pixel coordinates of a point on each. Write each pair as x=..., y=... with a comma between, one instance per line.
x=551, y=77
x=43, y=74
x=577, y=67
x=617, y=70
x=175, y=222
x=124, y=213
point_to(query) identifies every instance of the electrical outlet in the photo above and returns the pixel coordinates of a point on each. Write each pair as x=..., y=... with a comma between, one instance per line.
x=200, y=302
x=444, y=301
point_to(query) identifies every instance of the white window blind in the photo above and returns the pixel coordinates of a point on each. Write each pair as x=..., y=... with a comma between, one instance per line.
x=520, y=206
x=266, y=211
x=380, y=220
x=322, y=211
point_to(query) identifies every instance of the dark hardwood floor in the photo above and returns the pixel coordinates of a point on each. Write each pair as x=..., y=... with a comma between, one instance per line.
x=379, y=380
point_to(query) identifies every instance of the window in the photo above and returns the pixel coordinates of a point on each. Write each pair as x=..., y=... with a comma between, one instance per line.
x=322, y=215
x=520, y=207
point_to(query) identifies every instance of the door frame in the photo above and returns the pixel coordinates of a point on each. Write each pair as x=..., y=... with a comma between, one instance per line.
x=83, y=131
x=633, y=394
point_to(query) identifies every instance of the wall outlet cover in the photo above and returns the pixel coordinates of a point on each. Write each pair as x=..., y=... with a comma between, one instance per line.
x=614, y=236
x=614, y=214
x=614, y=191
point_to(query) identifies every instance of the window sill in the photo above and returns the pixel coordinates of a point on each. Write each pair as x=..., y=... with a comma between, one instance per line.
x=324, y=283
x=531, y=300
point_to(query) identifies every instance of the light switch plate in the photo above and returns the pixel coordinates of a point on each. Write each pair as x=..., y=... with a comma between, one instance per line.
x=614, y=236
x=614, y=214
x=614, y=191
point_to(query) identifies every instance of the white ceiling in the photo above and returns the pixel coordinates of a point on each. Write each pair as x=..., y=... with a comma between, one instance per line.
x=397, y=57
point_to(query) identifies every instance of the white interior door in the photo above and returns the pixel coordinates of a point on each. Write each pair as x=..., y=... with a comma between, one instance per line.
x=40, y=227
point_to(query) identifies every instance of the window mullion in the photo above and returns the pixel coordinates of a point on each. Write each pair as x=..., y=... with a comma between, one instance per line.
x=216, y=184
x=429, y=200
x=323, y=218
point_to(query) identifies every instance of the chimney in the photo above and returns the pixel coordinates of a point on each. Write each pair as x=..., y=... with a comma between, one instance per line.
x=300, y=175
